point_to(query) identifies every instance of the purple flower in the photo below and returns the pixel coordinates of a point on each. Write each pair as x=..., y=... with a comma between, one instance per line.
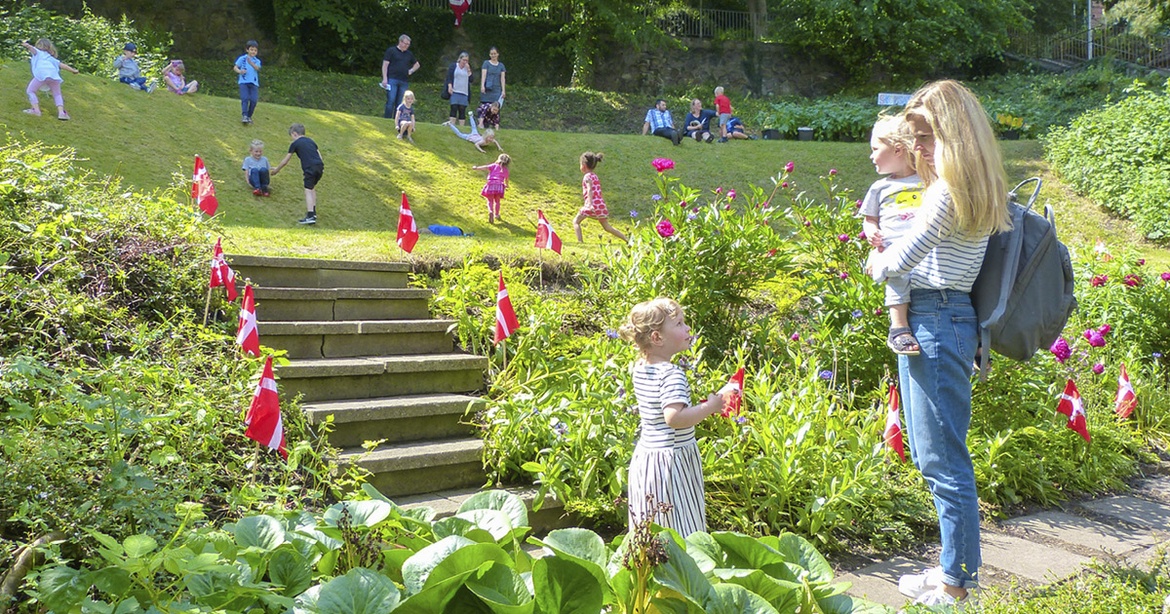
x=857, y=313
x=731, y=194
x=794, y=337
x=692, y=216
x=1094, y=338
x=741, y=419
x=1060, y=350
x=665, y=228
x=788, y=168
x=633, y=213
x=1157, y=354
x=1132, y=280
x=1098, y=368
x=611, y=333
x=826, y=374
x=656, y=197
x=832, y=172
x=844, y=238
x=1098, y=280
x=662, y=164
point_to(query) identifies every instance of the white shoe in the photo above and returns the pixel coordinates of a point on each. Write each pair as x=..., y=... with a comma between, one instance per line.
x=919, y=584
x=940, y=597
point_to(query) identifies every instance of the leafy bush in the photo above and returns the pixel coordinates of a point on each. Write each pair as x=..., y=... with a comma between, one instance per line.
x=89, y=44
x=354, y=557
x=836, y=118
x=1119, y=156
x=116, y=402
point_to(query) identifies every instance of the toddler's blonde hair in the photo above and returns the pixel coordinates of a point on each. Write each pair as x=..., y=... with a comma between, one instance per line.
x=647, y=317
x=489, y=135
x=255, y=144
x=504, y=160
x=893, y=130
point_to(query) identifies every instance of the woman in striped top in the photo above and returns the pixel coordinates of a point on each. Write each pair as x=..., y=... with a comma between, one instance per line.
x=666, y=473
x=964, y=203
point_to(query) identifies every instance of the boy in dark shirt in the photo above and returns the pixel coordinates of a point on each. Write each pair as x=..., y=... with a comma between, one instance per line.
x=311, y=164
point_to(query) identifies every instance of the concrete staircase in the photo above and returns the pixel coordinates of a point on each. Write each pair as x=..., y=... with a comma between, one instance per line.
x=365, y=351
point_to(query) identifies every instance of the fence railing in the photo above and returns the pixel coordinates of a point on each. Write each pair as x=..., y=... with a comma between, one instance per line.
x=1073, y=46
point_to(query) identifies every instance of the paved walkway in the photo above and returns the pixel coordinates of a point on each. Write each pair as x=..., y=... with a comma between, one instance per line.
x=1048, y=546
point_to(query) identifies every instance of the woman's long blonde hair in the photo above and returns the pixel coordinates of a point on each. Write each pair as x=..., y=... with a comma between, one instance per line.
x=966, y=155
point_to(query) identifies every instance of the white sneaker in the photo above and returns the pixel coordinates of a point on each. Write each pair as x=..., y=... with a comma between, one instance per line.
x=917, y=585
x=940, y=597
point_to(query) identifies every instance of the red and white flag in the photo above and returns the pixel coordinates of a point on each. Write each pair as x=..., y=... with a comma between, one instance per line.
x=221, y=273
x=247, y=335
x=506, y=323
x=1126, y=398
x=735, y=387
x=407, y=230
x=203, y=189
x=893, y=433
x=263, y=419
x=1072, y=406
x=546, y=237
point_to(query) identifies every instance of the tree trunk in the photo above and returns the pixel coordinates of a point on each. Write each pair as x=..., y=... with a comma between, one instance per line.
x=759, y=17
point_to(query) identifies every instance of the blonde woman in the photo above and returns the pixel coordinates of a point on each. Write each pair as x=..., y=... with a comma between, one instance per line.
x=942, y=255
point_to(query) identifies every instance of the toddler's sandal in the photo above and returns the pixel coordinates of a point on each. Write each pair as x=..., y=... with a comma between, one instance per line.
x=902, y=342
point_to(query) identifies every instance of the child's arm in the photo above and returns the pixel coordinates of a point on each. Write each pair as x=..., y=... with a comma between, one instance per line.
x=498, y=146
x=68, y=67
x=30, y=48
x=284, y=161
x=679, y=417
x=483, y=167
x=872, y=231
x=238, y=69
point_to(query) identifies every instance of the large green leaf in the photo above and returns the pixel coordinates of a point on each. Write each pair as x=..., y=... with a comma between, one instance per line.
x=437, y=596
x=561, y=586
x=418, y=567
x=289, y=569
x=454, y=525
x=361, y=513
x=583, y=547
x=495, y=522
x=680, y=574
x=139, y=545
x=735, y=599
x=361, y=591
x=800, y=552
x=500, y=500
x=467, y=559
x=706, y=552
x=783, y=595
x=502, y=590
x=747, y=552
x=844, y=604
x=113, y=581
x=62, y=588
x=264, y=532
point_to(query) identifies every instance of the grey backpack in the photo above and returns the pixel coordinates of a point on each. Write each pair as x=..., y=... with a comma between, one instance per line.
x=1023, y=295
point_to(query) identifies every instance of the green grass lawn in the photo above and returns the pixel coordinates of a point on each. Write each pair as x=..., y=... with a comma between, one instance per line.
x=151, y=140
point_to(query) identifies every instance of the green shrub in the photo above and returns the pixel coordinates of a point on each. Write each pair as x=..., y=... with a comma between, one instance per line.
x=89, y=44
x=835, y=118
x=1120, y=157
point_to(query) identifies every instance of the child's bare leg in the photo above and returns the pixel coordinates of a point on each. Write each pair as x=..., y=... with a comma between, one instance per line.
x=496, y=206
x=899, y=316
x=577, y=226
x=613, y=231
x=311, y=200
x=902, y=340
x=491, y=210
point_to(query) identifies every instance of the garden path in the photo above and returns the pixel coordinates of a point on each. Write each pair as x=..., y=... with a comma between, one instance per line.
x=1048, y=546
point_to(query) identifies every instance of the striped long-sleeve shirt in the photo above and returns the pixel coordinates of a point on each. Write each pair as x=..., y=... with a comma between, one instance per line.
x=933, y=253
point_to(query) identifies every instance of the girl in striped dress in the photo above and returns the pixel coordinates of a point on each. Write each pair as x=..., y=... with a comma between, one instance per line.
x=666, y=473
x=497, y=182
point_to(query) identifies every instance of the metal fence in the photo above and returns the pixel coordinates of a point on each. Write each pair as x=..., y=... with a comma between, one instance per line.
x=1072, y=46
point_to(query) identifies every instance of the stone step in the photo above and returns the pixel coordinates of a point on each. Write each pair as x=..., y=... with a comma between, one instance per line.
x=420, y=467
x=315, y=273
x=394, y=419
x=358, y=338
x=341, y=304
x=330, y=379
x=552, y=514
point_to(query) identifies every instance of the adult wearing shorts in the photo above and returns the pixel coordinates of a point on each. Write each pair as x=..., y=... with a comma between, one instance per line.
x=397, y=65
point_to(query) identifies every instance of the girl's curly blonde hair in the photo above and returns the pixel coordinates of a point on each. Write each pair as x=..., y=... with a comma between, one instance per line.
x=647, y=317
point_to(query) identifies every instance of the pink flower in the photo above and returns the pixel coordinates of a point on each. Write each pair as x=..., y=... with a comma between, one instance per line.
x=832, y=172
x=1098, y=280
x=1105, y=329
x=662, y=164
x=788, y=168
x=727, y=207
x=1141, y=262
x=784, y=185
x=878, y=311
x=1060, y=350
x=1098, y=368
x=861, y=236
x=794, y=337
x=1166, y=276
x=844, y=275
x=807, y=223
x=665, y=228
x=1132, y=280
x=682, y=203
x=1094, y=338
x=857, y=204
x=731, y=194
x=719, y=190
x=844, y=238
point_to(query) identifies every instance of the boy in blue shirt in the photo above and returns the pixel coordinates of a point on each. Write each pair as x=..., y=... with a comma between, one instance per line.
x=248, y=67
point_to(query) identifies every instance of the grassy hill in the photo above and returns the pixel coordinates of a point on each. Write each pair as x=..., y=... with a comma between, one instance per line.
x=150, y=140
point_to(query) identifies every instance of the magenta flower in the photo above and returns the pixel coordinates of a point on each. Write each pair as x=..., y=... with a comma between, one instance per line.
x=844, y=275
x=719, y=190
x=861, y=236
x=1105, y=329
x=794, y=337
x=832, y=172
x=844, y=238
x=1141, y=262
x=878, y=311
x=665, y=228
x=662, y=164
x=1094, y=338
x=1060, y=350
x=1098, y=280
x=731, y=194
x=1098, y=368
x=727, y=207
x=1132, y=280
x=807, y=223
x=788, y=168
x=1166, y=276
x=682, y=203
x=784, y=185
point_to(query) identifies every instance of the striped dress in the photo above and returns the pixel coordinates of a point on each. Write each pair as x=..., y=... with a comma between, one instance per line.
x=666, y=464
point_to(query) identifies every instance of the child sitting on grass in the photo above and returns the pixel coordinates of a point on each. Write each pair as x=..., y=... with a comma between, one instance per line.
x=256, y=171
x=311, y=165
x=128, y=71
x=176, y=82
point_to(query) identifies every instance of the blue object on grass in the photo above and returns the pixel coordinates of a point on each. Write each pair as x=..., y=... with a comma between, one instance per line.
x=446, y=231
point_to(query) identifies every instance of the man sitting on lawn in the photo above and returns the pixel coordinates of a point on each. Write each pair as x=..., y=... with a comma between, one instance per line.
x=660, y=123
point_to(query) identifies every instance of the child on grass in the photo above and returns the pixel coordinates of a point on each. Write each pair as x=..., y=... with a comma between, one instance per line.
x=256, y=171
x=128, y=71
x=247, y=66
x=46, y=73
x=177, y=83
x=311, y=165
x=404, y=116
x=888, y=208
x=593, y=205
x=723, y=108
x=497, y=182
x=488, y=137
x=666, y=472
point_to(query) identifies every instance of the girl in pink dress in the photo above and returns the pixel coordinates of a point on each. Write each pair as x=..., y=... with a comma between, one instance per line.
x=497, y=182
x=594, y=204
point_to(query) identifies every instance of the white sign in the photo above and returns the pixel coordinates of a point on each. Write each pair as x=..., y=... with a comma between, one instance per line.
x=886, y=99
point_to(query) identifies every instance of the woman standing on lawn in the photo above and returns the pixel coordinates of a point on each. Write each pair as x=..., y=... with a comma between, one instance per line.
x=459, y=87
x=961, y=208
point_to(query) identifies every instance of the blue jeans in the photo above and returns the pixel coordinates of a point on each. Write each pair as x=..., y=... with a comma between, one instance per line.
x=258, y=178
x=394, y=91
x=936, y=391
x=249, y=96
x=136, y=82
